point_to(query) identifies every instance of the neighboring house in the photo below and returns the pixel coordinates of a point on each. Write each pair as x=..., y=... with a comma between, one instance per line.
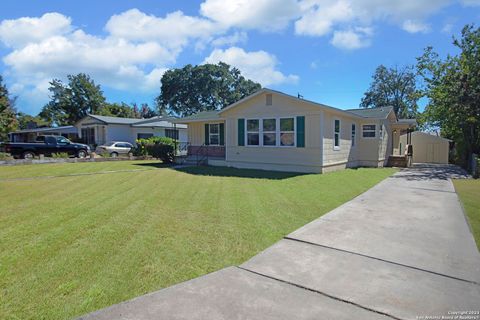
x=96, y=130
x=275, y=131
x=30, y=135
x=428, y=148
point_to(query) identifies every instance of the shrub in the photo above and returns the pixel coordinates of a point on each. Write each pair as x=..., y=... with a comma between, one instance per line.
x=162, y=148
x=5, y=156
x=60, y=155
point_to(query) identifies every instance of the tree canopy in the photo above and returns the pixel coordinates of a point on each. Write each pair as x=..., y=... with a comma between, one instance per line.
x=393, y=87
x=191, y=89
x=8, y=120
x=26, y=121
x=71, y=102
x=126, y=111
x=452, y=86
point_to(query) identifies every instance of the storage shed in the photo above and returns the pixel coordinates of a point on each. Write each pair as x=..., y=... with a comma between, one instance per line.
x=427, y=148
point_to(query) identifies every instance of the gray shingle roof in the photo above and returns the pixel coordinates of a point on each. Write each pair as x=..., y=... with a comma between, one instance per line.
x=381, y=112
x=204, y=115
x=115, y=120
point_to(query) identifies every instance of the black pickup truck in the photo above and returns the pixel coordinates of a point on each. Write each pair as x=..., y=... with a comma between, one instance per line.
x=47, y=145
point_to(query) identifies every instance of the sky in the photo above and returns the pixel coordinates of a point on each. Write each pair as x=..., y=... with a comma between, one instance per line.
x=325, y=50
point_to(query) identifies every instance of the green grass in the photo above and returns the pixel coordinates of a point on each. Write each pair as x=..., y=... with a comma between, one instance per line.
x=71, y=245
x=60, y=169
x=469, y=192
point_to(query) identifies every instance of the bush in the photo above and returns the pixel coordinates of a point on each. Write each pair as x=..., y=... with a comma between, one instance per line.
x=60, y=155
x=5, y=156
x=158, y=147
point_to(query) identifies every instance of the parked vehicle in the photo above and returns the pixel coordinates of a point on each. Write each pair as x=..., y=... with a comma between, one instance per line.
x=115, y=148
x=47, y=145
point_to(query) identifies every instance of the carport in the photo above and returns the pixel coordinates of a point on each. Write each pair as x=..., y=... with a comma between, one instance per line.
x=428, y=148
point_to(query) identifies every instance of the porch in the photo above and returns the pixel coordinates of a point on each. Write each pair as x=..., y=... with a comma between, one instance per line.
x=399, y=156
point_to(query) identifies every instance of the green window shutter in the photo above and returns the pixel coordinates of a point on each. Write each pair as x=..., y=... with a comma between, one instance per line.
x=207, y=134
x=222, y=134
x=241, y=132
x=301, y=132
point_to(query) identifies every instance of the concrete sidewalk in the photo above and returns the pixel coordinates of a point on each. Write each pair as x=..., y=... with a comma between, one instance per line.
x=402, y=250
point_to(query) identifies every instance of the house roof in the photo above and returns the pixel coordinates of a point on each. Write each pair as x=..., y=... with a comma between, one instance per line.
x=114, y=120
x=378, y=113
x=266, y=90
x=407, y=121
x=158, y=123
x=201, y=116
x=165, y=122
x=67, y=129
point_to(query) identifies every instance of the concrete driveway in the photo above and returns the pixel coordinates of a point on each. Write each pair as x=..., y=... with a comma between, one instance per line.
x=402, y=250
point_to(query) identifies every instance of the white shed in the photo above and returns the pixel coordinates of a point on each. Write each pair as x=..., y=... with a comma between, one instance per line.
x=428, y=148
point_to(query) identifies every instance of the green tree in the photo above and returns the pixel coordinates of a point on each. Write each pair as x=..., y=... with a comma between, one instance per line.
x=192, y=89
x=26, y=121
x=393, y=87
x=8, y=120
x=69, y=103
x=117, y=110
x=452, y=86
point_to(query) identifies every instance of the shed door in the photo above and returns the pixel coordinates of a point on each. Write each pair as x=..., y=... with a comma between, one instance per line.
x=434, y=153
x=430, y=152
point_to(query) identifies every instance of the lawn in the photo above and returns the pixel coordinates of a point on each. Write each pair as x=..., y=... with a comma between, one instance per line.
x=74, y=244
x=469, y=192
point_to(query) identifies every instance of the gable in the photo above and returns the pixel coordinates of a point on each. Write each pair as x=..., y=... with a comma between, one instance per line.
x=270, y=104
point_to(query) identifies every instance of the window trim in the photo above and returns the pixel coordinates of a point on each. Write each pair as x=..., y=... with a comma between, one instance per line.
x=247, y=132
x=374, y=131
x=277, y=132
x=261, y=140
x=335, y=147
x=210, y=134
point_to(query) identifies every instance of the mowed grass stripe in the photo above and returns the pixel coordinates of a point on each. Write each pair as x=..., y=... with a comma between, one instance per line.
x=102, y=239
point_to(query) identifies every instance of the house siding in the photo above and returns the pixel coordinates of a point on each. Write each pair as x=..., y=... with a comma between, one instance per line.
x=304, y=159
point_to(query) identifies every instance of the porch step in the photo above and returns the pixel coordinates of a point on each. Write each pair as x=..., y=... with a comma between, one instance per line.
x=397, y=161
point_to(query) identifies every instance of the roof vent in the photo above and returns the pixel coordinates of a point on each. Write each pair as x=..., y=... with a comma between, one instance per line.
x=269, y=99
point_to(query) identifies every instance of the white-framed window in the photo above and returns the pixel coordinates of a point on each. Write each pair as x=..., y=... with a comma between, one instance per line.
x=336, y=134
x=214, y=134
x=253, y=132
x=354, y=134
x=287, y=132
x=269, y=129
x=380, y=132
x=369, y=130
x=271, y=132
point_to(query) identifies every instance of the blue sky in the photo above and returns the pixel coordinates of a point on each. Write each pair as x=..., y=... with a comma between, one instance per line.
x=325, y=50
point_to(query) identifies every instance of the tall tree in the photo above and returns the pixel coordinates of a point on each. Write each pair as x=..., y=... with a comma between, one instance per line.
x=73, y=101
x=8, y=120
x=26, y=121
x=393, y=87
x=452, y=86
x=192, y=89
x=117, y=110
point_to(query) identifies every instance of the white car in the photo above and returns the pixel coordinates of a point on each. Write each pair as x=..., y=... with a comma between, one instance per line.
x=114, y=148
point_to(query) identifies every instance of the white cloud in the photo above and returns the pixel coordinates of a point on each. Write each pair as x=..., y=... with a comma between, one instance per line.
x=235, y=38
x=174, y=31
x=19, y=32
x=352, y=39
x=319, y=19
x=133, y=55
x=415, y=26
x=470, y=3
x=259, y=66
x=265, y=15
x=323, y=17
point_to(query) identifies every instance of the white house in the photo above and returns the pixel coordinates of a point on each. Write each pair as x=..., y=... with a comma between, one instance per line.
x=96, y=130
x=274, y=131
